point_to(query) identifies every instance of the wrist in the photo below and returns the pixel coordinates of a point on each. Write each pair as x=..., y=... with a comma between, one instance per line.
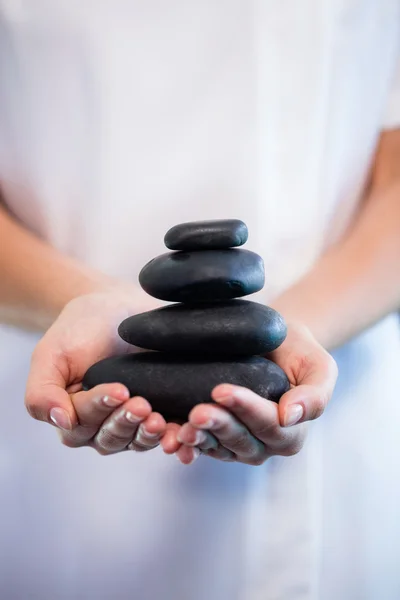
x=300, y=307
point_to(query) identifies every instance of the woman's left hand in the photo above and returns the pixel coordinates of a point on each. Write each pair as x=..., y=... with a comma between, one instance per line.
x=243, y=427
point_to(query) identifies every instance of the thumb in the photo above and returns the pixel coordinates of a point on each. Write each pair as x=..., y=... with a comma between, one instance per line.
x=307, y=401
x=46, y=398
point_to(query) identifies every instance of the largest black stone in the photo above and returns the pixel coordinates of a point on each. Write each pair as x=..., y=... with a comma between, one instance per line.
x=234, y=327
x=203, y=276
x=174, y=385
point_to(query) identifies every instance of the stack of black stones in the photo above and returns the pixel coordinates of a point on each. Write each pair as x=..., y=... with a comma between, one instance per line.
x=208, y=336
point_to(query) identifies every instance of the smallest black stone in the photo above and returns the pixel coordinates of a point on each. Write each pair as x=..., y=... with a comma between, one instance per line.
x=207, y=235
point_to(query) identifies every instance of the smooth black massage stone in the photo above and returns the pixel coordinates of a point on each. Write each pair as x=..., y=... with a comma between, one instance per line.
x=175, y=384
x=207, y=235
x=203, y=276
x=235, y=327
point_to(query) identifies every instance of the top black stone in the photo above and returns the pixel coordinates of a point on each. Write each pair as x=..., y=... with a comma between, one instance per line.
x=207, y=235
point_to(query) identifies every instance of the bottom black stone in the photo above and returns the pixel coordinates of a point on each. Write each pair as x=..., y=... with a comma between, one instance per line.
x=175, y=384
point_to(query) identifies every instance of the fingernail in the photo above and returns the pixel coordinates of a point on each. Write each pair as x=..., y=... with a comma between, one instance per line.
x=293, y=414
x=199, y=438
x=131, y=417
x=226, y=400
x=143, y=431
x=207, y=425
x=196, y=454
x=60, y=418
x=110, y=402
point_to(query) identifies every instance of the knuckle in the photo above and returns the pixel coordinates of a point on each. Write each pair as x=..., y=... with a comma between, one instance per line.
x=293, y=448
x=102, y=450
x=255, y=450
x=220, y=453
x=290, y=451
x=135, y=447
x=208, y=444
x=145, y=442
x=258, y=460
x=227, y=457
x=110, y=442
x=111, y=436
x=241, y=442
x=71, y=442
x=267, y=431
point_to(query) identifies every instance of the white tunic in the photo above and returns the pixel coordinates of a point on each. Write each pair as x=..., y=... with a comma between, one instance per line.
x=119, y=119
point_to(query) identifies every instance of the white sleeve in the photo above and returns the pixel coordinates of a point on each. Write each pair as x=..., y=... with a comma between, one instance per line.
x=392, y=114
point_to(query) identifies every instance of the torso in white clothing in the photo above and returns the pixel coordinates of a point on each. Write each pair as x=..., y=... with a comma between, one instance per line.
x=119, y=119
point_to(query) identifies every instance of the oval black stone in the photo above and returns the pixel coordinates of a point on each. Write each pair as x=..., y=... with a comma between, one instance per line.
x=203, y=276
x=174, y=385
x=207, y=235
x=235, y=327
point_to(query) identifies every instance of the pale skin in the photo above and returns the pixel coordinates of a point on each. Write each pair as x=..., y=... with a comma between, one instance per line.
x=79, y=310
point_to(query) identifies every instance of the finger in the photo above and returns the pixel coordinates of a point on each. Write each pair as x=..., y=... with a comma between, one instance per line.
x=190, y=436
x=92, y=407
x=149, y=433
x=169, y=441
x=221, y=453
x=187, y=455
x=45, y=397
x=95, y=405
x=118, y=431
x=74, y=387
x=307, y=401
x=229, y=432
x=261, y=417
x=206, y=442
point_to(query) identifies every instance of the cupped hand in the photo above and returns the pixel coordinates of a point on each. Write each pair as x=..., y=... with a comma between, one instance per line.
x=104, y=417
x=241, y=426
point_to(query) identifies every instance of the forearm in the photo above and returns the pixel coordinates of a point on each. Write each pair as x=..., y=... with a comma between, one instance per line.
x=357, y=282
x=36, y=281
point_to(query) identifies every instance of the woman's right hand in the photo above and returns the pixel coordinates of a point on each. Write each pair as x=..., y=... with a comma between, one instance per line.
x=104, y=417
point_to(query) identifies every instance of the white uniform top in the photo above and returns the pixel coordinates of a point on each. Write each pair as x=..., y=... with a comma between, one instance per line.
x=119, y=119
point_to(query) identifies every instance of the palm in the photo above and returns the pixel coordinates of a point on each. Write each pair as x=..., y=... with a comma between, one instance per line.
x=244, y=427
x=103, y=417
x=87, y=331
